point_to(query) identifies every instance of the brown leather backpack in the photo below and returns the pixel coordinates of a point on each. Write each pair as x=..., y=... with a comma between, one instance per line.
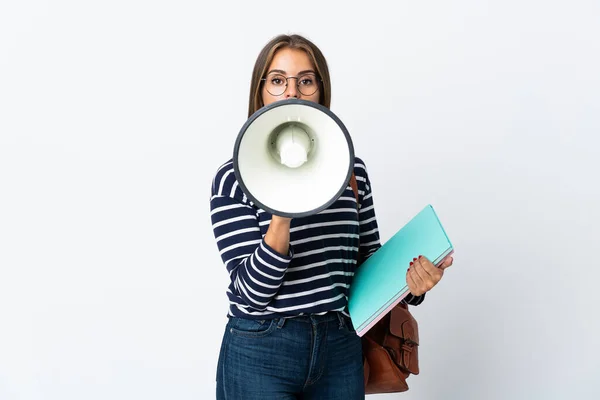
x=390, y=347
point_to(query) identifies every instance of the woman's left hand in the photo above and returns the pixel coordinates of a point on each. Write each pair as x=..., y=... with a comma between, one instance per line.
x=422, y=275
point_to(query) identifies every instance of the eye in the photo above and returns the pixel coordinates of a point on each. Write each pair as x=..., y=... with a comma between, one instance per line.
x=307, y=80
x=277, y=80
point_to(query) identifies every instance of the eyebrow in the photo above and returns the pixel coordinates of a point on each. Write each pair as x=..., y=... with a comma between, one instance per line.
x=280, y=71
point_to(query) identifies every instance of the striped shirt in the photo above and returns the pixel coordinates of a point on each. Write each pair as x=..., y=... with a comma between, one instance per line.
x=315, y=275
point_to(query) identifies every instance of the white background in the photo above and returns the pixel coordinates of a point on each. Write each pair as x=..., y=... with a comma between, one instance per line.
x=114, y=116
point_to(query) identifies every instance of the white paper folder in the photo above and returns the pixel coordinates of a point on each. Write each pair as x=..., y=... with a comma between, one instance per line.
x=379, y=283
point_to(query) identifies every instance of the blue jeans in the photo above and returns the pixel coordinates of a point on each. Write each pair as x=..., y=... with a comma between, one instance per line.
x=307, y=357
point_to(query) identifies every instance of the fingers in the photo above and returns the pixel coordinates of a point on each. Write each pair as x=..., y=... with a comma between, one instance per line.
x=428, y=267
x=424, y=275
x=413, y=286
x=447, y=262
x=420, y=278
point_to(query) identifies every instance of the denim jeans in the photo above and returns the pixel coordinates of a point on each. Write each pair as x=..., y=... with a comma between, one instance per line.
x=306, y=357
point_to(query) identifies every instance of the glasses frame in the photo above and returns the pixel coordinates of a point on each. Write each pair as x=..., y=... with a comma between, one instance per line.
x=287, y=78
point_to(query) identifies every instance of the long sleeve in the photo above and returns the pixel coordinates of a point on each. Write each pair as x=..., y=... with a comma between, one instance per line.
x=369, y=231
x=255, y=269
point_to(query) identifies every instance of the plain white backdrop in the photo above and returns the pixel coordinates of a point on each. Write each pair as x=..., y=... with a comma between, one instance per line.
x=114, y=116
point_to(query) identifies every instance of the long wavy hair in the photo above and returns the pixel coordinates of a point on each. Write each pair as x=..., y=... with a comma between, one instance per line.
x=266, y=56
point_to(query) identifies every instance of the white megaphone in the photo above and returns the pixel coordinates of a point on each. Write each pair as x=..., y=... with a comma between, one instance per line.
x=293, y=158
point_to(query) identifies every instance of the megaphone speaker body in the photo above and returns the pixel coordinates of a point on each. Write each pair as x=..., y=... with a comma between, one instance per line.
x=293, y=158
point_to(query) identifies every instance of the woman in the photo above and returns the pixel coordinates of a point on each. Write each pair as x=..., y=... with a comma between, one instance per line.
x=289, y=335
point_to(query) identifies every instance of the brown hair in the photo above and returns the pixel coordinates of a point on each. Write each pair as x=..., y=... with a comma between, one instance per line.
x=266, y=56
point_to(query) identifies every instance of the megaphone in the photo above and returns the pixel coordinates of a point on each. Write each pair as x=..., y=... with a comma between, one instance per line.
x=293, y=158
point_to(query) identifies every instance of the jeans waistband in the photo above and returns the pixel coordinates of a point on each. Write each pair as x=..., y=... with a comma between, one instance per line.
x=317, y=319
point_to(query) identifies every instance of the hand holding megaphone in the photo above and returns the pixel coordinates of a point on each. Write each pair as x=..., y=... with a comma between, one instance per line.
x=278, y=234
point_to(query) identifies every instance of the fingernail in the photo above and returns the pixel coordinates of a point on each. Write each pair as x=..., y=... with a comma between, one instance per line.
x=411, y=263
x=414, y=259
x=420, y=257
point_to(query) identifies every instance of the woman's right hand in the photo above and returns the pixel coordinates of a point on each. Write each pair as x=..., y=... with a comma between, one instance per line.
x=280, y=220
x=278, y=234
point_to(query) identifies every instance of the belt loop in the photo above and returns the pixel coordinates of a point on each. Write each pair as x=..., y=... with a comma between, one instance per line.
x=340, y=319
x=280, y=323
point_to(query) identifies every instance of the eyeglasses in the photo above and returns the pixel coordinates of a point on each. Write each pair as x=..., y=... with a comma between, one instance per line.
x=306, y=84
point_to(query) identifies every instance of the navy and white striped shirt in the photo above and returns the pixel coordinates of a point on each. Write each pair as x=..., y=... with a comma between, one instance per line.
x=315, y=275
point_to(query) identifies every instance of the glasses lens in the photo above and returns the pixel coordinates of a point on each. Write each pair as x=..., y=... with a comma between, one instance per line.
x=275, y=84
x=307, y=84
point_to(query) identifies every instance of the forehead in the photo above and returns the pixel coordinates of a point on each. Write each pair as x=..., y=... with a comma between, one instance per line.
x=291, y=61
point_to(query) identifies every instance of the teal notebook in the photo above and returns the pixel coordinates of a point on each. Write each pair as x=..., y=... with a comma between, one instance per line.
x=380, y=282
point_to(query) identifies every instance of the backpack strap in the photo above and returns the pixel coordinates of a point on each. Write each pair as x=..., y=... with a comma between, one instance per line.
x=354, y=186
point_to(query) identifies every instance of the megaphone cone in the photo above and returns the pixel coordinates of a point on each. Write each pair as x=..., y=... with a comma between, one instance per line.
x=293, y=158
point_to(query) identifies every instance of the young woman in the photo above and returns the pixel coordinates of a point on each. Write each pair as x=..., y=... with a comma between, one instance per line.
x=289, y=335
